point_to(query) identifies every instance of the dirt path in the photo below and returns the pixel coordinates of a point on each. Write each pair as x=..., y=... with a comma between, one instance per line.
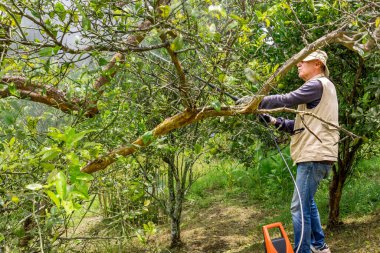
x=221, y=228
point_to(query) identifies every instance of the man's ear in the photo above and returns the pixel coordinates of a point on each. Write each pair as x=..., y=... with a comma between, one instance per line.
x=318, y=63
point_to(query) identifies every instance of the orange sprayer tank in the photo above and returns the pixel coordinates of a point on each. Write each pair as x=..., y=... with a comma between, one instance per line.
x=277, y=245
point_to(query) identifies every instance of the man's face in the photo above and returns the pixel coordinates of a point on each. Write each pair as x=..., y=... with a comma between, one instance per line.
x=308, y=69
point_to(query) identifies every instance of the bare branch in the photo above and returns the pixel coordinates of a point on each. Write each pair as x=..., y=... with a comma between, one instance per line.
x=45, y=94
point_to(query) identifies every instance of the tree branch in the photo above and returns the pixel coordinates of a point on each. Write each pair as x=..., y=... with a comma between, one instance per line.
x=183, y=85
x=284, y=109
x=182, y=119
x=45, y=94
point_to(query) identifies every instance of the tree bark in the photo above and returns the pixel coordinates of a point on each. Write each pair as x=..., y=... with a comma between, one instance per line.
x=340, y=175
x=176, y=198
x=335, y=195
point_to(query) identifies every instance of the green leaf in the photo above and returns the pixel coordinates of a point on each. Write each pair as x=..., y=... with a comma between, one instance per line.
x=177, y=43
x=51, y=14
x=165, y=11
x=60, y=10
x=54, y=198
x=241, y=20
x=12, y=141
x=78, y=194
x=56, y=134
x=86, y=24
x=102, y=62
x=48, y=166
x=2, y=237
x=260, y=15
x=197, y=148
x=140, y=237
x=267, y=22
x=34, y=13
x=49, y=153
x=69, y=206
x=61, y=185
x=34, y=187
x=47, y=65
x=76, y=174
x=377, y=22
x=46, y=51
x=82, y=187
x=311, y=4
x=13, y=90
x=72, y=138
x=147, y=137
x=85, y=177
x=216, y=105
x=56, y=49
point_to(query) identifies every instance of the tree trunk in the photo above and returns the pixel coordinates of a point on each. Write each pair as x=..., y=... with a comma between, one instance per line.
x=336, y=190
x=172, y=206
x=175, y=232
x=5, y=34
x=341, y=171
x=176, y=197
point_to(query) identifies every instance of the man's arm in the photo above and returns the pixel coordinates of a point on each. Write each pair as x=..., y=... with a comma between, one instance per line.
x=310, y=94
x=282, y=124
x=286, y=125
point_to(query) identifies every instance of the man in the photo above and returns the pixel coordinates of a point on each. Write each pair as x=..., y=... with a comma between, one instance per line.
x=314, y=144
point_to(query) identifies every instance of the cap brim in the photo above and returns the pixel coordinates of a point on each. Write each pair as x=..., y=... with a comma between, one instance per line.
x=309, y=58
x=327, y=71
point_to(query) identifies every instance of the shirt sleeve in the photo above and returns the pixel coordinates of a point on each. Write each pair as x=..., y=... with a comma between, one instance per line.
x=286, y=125
x=310, y=94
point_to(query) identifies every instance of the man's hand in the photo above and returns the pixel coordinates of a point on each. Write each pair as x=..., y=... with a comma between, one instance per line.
x=244, y=100
x=266, y=118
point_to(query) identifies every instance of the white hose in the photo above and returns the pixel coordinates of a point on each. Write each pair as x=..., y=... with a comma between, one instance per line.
x=294, y=181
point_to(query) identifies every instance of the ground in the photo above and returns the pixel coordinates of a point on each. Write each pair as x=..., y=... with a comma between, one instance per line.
x=236, y=228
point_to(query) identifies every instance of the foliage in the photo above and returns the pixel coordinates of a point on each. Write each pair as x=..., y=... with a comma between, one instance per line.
x=270, y=186
x=260, y=181
x=116, y=70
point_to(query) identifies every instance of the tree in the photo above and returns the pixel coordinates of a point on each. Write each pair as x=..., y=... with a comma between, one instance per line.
x=95, y=59
x=360, y=113
x=180, y=156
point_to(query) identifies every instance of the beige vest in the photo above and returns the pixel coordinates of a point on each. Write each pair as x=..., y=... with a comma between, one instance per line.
x=304, y=146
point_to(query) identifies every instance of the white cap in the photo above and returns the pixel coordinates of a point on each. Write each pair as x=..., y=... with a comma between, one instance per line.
x=318, y=55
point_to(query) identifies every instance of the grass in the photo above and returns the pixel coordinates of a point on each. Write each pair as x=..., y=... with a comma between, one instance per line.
x=269, y=185
x=362, y=193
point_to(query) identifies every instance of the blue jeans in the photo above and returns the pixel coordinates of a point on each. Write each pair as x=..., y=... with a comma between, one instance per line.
x=309, y=175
